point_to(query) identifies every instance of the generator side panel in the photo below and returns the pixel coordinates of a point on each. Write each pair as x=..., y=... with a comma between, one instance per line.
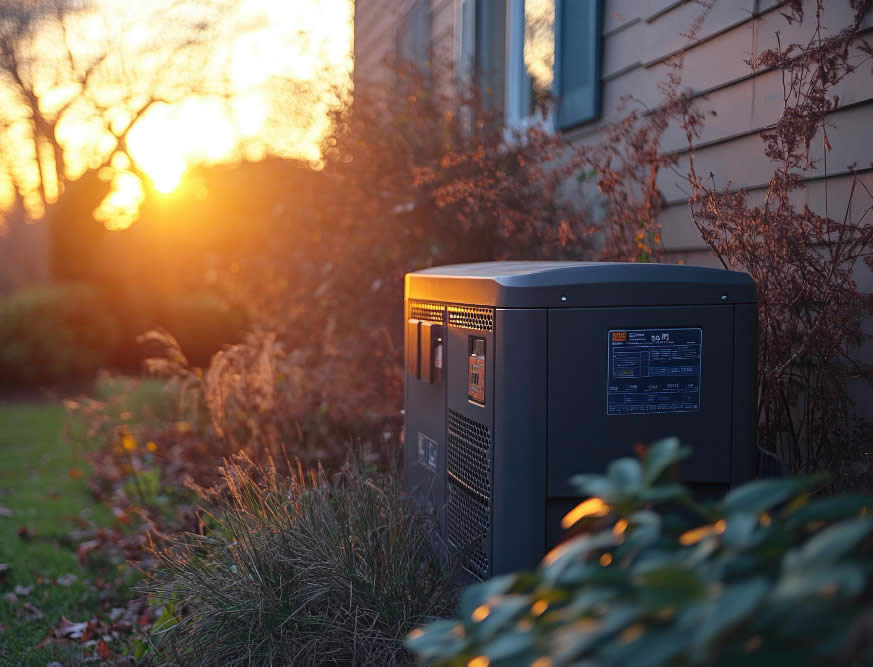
x=425, y=409
x=622, y=376
x=745, y=418
x=470, y=438
x=520, y=436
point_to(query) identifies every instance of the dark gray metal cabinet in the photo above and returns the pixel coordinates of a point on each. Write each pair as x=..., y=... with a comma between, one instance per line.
x=522, y=374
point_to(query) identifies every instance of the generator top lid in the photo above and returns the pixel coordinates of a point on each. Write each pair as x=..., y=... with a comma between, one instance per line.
x=579, y=284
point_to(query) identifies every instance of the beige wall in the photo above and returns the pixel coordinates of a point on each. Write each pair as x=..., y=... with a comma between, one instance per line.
x=376, y=25
x=639, y=38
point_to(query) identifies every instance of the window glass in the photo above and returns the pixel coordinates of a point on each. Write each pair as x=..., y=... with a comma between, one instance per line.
x=491, y=51
x=539, y=50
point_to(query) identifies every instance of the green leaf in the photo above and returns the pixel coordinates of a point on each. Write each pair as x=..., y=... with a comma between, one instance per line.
x=831, y=509
x=440, y=639
x=479, y=594
x=730, y=609
x=594, y=485
x=138, y=649
x=762, y=494
x=509, y=645
x=829, y=544
x=574, y=642
x=655, y=648
x=661, y=455
x=663, y=493
x=503, y=610
x=846, y=580
x=562, y=556
x=740, y=530
x=668, y=583
x=626, y=474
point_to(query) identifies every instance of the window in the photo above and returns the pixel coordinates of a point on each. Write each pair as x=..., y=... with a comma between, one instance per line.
x=531, y=48
x=524, y=50
x=480, y=48
x=414, y=36
x=577, y=65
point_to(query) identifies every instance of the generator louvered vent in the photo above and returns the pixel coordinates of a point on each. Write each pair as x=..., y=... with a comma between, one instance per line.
x=468, y=513
x=471, y=317
x=426, y=311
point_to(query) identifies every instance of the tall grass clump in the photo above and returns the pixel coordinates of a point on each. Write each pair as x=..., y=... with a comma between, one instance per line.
x=300, y=569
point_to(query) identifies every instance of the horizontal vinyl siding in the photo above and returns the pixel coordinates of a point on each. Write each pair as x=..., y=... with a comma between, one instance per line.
x=376, y=27
x=376, y=23
x=640, y=38
x=829, y=195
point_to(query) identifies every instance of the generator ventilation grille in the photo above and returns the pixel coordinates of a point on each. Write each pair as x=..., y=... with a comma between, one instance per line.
x=426, y=311
x=468, y=512
x=471, y=317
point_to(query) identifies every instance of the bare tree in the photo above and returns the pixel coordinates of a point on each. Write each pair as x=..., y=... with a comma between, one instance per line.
x=76, y=77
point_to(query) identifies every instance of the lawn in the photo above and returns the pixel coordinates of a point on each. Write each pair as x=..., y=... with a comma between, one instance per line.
x=42, y=482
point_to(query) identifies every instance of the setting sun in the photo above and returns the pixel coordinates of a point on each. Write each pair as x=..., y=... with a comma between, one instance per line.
x=207, y=130
x=250, y=79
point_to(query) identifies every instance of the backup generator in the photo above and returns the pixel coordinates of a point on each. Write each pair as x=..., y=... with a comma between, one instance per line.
x=521, y=374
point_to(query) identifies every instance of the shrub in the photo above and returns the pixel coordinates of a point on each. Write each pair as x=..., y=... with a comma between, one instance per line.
x=299, y=570
x=54, y=334
x=408, y=182
x=765, y=576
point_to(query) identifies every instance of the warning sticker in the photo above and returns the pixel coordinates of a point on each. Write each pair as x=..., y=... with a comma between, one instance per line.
x=654, y=370
x=476, y=384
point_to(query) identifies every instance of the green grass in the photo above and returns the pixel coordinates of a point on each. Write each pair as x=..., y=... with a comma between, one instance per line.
x=35, y=482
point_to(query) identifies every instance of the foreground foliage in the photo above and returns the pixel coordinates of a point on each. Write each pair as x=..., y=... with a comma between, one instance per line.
x=298, y=570
x=765, y=576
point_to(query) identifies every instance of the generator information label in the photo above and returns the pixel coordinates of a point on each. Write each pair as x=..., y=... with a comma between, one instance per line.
x=654, y=370
x=428, y=451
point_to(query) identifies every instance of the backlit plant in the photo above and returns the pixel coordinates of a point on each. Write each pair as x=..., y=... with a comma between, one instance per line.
x=767, y=575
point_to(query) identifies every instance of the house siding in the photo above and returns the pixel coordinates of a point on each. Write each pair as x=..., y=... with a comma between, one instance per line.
x=640, y=37
x=377, y=23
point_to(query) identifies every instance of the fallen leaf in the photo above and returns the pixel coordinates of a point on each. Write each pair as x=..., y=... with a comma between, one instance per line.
x=74, y=473
x=5, y=512
x=87, y=547
x=67, y=628
x=103, y=651
x=30, y=612
x=24, y=590
x=66, y=579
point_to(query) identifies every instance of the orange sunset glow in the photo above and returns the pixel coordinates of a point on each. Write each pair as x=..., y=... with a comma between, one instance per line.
x=261, y=83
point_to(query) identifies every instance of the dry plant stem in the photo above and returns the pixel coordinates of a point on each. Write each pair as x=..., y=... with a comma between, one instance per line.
x=811, y=312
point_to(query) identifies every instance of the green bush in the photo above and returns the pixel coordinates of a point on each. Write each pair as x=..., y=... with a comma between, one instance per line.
x=766, y=576
x=54, y=334
x=306, y=570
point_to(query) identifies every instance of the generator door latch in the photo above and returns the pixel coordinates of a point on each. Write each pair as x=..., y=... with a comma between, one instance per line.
x=431, y=353
x=476, y=380
x=413, y=345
